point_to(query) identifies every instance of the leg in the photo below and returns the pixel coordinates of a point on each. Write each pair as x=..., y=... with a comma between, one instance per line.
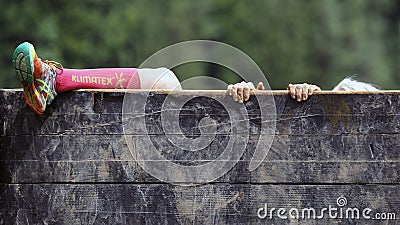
x=107, y=78
x=42, y=80
x=116, y=78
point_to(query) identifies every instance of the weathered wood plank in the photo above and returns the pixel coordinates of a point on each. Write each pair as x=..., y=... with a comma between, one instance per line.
x=276, y=172
x=306, y=124
x=207, y=204
x=88, y=113
x=106, y=158
x=285, y=147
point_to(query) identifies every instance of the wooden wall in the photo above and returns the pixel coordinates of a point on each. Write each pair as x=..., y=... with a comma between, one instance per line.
x=72, y=165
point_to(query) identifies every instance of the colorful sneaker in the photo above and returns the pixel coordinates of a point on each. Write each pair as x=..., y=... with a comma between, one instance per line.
x=38, y=77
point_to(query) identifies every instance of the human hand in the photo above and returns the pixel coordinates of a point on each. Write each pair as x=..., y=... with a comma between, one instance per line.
x=301, y=92
x=240, y=92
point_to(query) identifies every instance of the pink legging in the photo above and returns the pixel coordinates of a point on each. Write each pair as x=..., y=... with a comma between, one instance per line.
x=104, y=78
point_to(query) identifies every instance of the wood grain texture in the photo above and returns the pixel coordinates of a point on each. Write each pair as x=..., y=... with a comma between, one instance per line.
x=72, y=165
x=206, y=204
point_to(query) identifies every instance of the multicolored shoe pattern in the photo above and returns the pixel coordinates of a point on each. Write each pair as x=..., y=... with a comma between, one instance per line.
x=38, y=77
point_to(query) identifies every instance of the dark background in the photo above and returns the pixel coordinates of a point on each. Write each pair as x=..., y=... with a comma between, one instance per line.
x=320, y=41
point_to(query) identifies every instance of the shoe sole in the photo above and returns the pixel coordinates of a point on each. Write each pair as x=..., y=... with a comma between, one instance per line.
x=31, y=98
x=22, y=60
x=23, y=57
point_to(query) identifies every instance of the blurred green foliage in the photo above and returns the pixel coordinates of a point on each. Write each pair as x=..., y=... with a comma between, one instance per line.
x=319, y=41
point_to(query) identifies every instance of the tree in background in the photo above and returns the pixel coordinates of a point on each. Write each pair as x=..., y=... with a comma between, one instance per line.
x=292, y=41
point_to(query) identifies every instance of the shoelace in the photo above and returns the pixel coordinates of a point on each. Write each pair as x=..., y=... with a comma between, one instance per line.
x=54, y=63
x=45, y=83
